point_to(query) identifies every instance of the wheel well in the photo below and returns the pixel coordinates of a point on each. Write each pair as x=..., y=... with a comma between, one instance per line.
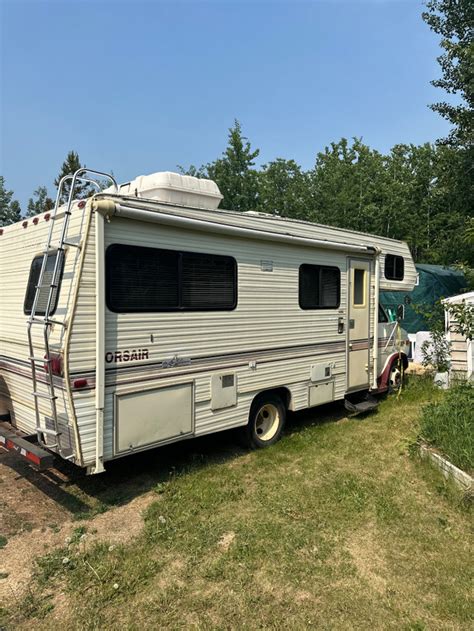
x=283, y=393
x=404, y=360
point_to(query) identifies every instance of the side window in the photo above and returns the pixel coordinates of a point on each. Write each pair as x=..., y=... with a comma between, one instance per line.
x=359, y=288
x=44, y=291
x=394, y=267
x=207, y=281
x=146, y=280
x=319, y=287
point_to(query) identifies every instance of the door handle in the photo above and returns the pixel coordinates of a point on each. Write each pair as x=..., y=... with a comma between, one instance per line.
x=340, y=325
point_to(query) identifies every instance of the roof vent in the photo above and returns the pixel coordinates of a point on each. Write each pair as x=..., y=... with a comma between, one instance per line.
x=173, y=188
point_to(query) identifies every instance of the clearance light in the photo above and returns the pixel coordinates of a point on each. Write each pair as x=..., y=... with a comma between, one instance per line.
x=80, y=383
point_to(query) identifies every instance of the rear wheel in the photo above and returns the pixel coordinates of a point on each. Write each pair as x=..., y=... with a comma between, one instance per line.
x=266, y=421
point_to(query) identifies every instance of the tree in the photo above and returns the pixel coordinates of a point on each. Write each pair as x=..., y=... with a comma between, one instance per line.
x=284, y=190
x=348, y=182
x=10, y=210
x=453, y=20
x=233, y=172
x=69, y=167
x=42, y=204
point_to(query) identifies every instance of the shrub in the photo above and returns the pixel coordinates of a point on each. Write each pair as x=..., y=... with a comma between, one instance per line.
x=449, y=425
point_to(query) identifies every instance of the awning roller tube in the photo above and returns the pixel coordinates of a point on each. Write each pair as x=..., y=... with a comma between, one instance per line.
x=105, y=207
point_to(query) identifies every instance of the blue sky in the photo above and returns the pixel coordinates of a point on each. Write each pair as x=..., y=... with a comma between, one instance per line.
x=138, y=87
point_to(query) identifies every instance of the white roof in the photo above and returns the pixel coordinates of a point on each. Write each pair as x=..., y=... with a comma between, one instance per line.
x=467, y=297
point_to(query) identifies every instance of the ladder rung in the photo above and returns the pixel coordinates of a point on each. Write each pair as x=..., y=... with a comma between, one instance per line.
x=42, y=360
x=74, y=245
x=52, y=285
x=44, y=396
x=48, y=432
x=50, y=321
x=36, y=320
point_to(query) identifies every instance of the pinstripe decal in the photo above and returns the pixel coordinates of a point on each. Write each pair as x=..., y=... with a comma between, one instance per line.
x=125, y=374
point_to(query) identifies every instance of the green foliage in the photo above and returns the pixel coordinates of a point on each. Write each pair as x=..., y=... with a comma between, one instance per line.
x=41, y=204
x=234, y=172
x=436, y=352
x=462, y=319
x=10, y=210
x=285, y=190
x=449, y=425
x=348, y=184
x=70, y=165
x=421, y=194
x=453, y=20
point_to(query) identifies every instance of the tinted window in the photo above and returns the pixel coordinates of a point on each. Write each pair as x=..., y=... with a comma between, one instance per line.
x=47, y=280
x=394, y=267
x=151, y=280
x=359, y=287
x=319, y=287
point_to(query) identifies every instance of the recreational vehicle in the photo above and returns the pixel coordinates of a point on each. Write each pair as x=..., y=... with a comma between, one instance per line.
x=145, y=315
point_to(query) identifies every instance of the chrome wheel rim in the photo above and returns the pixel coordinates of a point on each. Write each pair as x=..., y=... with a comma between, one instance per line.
x=267, y=422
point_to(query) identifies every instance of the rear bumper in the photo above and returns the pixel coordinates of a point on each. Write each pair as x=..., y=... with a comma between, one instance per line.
x=34, y=454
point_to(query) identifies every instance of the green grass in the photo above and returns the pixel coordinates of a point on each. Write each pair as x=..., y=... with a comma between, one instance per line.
x=334, y=527
x=448, y=425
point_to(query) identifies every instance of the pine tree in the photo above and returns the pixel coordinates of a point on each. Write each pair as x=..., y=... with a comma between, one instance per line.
x=10, y=210
x=69, y=167
x=42, y=204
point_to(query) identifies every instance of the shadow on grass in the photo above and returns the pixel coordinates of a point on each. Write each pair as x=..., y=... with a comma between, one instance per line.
x=131, y=476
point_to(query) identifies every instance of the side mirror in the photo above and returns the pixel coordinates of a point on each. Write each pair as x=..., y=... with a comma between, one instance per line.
x=400, y=312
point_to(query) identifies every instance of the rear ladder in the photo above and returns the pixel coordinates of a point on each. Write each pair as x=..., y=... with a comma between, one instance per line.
x=44, y=318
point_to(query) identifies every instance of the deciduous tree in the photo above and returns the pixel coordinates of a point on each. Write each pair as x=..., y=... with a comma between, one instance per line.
x=453, y=20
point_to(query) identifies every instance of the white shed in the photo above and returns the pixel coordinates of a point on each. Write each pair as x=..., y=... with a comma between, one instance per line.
x=462, y=349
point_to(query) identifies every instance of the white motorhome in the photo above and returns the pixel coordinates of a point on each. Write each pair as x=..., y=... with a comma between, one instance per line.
x=145, y=315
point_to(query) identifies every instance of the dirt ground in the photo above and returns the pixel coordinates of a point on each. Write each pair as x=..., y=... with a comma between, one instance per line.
x=39, y=511
x=37, y=515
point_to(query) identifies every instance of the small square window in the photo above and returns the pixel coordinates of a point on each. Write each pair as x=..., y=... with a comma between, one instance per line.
x=319, y=287
x=394, y=267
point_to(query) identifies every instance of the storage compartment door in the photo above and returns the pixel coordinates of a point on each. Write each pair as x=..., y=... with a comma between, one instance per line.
x=152, y=416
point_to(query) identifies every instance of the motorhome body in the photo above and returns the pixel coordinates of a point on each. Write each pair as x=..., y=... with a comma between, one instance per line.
x=171, y=318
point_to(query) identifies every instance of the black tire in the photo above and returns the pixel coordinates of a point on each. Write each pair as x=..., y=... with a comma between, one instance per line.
x=266, y=421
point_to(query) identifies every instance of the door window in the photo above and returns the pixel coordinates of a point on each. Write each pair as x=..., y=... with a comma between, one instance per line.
x=358, y=299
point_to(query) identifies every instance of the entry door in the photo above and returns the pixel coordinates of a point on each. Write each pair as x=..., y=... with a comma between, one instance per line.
x=358, y=329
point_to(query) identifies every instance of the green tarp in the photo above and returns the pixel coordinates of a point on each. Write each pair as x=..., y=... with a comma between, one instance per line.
x=435, y=282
